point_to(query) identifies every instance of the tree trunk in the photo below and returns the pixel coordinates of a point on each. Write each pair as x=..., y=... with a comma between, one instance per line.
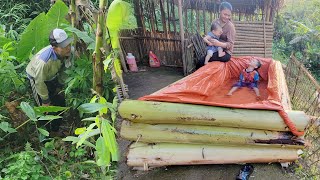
x=97, y=57
x=193, y=134
x=164, y=154
x=175, y=113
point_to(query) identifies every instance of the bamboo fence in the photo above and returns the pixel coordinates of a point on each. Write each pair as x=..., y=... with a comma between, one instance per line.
x=304, y=92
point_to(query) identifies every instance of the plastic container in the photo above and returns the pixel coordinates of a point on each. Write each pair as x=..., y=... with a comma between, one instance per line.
x=131, y=60
x=153, y=60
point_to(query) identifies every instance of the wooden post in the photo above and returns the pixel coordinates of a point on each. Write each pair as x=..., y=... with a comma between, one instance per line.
x=182, y=38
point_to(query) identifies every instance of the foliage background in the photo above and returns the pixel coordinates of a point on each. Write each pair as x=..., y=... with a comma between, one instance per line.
x=297, y=29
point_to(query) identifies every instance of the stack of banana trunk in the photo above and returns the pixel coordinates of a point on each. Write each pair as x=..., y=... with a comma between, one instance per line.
x=184, y=134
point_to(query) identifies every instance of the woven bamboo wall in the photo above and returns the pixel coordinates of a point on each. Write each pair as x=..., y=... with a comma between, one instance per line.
x=167, y=46
x=253, y=39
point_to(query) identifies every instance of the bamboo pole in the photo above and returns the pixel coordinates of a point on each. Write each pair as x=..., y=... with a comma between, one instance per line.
x=168, y=14
x=194, y=134
x=173, y=18
x=163, y=18
x=97, y=59
x=164, y=154
x=176, y=113
x=182, y=38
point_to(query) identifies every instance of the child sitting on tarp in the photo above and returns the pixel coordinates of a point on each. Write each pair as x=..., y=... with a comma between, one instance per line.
x=249, y=77
x=213, y=51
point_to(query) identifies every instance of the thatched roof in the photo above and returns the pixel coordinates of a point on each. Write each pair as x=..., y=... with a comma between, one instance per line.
x=246, y=6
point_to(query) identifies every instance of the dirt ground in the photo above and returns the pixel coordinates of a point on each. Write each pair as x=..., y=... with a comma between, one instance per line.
x=148, y=81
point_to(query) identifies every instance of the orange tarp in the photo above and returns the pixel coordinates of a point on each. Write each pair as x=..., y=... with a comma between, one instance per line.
x=210, y=84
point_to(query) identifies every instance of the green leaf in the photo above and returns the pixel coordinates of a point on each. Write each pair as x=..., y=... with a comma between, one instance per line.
x=3, y=117
x=91, y=46
x=70, y=86
x=109, y=139
x=3, y=41
x=106, y=62
x=85, y=135
x=6, y=127
x=80, y=34
x=89, y=119
x=79, y=131
x=91, y=107
x=37, y=32
x=74, y=140
x=117, y=67
x=102, y=152
x=43, y=131
x=43, y=109
x=104, y=110
x=93, y=99
x=35, y=36
x=28, y=110
x=49, y=117
x=57, y=15
x=120, y=15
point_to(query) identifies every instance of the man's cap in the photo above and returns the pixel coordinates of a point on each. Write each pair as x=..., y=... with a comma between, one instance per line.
x=59, y=37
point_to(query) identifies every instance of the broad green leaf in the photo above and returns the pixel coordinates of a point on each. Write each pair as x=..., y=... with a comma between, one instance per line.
x=35, y=36
x=49, y=118
x=91, y=107
x=42, y=109
x=85, y=135
x=57, y=15
x=43, y=131
x=102, y=152
x=120, y=15
x=28, y=110
x=79, y=131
